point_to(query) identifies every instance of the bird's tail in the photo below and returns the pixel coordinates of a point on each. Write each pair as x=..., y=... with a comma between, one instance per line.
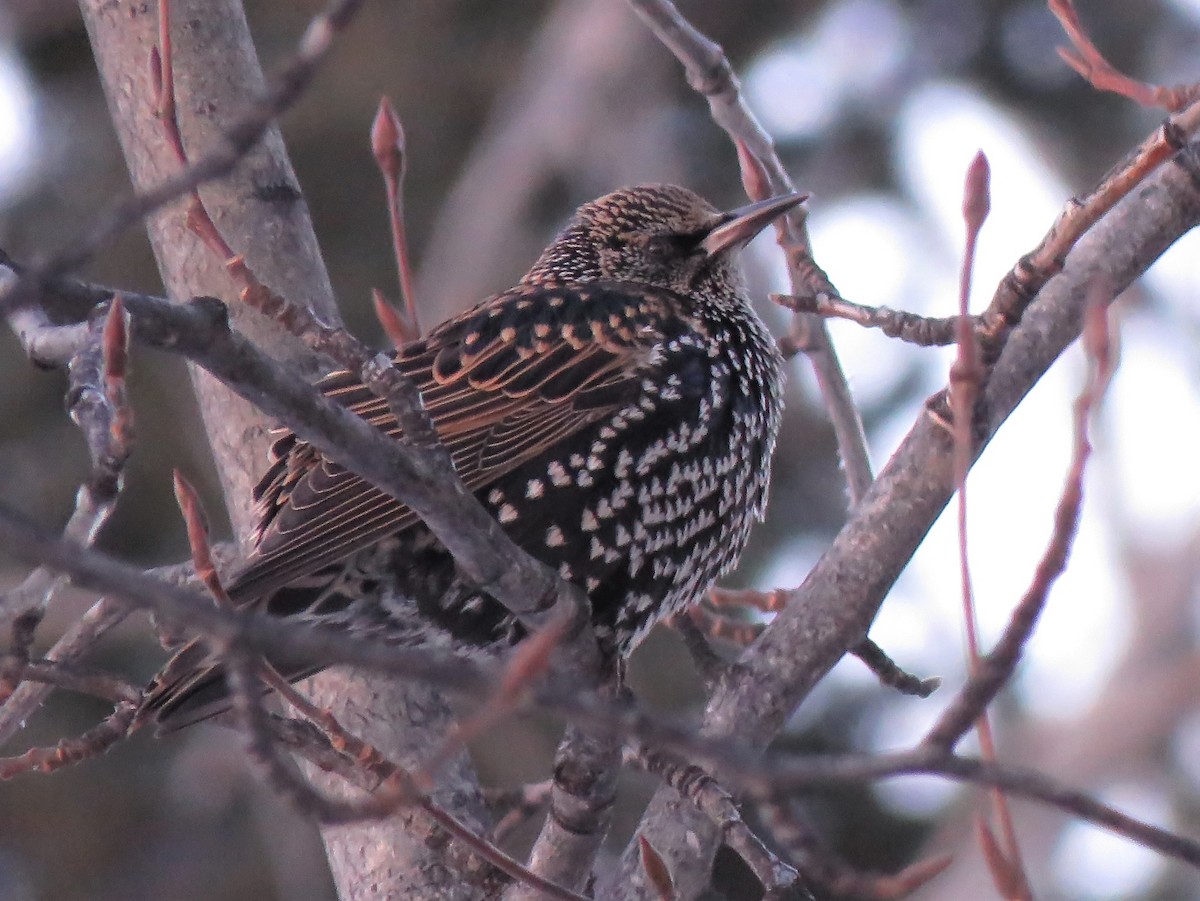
x=193, y=687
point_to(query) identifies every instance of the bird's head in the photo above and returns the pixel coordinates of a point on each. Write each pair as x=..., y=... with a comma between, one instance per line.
x=659, y=235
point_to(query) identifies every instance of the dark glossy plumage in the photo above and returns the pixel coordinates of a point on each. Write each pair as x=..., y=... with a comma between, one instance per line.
x=615, y=411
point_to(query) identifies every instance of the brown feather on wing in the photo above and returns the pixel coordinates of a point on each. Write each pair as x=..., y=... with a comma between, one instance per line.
x=498, y=395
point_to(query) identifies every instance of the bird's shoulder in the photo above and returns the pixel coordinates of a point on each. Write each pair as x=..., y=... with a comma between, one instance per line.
x=501, y=383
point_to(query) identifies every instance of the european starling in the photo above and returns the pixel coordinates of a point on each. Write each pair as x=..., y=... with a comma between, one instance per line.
x=615, y=411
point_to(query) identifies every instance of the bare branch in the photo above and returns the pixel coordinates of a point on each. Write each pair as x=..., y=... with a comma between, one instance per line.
x=387, y=146
x=72, y=750
x=709, y=73
x=992, y=672
x=1088, y=61
x=241, y=135
x=835, y=605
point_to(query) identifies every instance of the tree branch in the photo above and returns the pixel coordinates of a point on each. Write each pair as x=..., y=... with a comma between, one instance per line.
x=837, y=602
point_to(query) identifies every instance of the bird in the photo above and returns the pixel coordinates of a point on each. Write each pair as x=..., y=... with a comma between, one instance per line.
x=615, y=411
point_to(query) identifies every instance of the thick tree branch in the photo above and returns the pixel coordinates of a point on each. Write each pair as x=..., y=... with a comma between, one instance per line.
x=259, y=209
x=837, y=602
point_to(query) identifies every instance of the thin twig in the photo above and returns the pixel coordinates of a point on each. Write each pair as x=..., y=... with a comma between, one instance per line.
x=418, y=474
x=79, y=679
x=81, y=637
x=1019, y=288
x=785, y=825
x=923, y=331
x=891, y=674
x=92, y=743
x=967, y=375
x=709, y=73
x=992, y=672
x=743, y=766
x=388, y=148
x=241, y=135
x=804, y=774
x=698, y=787
x=1089, y=62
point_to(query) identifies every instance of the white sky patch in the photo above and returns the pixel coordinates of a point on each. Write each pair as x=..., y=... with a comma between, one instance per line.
x=923, y=644
x=791, y=564
x=883, y=251
x=851, y=50
x=1015, y=487
x=874, y=250
x=792, y=89
x=1012, y=495
x=897, y=726
x=1094, y=864
x=1174, y=276
x=1153, y=419
x=17, y=123
x=1185, y=747
x=1190, y=8
x=941, y=127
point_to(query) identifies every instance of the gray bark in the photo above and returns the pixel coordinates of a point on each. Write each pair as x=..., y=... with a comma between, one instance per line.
x=260, y=212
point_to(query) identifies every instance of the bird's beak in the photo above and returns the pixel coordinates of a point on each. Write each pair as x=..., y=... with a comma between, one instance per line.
x=742, y=224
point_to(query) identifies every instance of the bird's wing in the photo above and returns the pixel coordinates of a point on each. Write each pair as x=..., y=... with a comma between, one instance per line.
x=501, y=383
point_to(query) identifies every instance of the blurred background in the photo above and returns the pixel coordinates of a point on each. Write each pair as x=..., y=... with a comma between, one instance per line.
x=517, y=112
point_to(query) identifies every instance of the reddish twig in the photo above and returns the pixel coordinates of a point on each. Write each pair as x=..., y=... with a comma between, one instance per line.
x=242, y=134
x=746, y=768
x=163, y=79
x=1027, y=278
x=516, y=806
x=709, y=73
x=395, y=786
x=388, y=148
x=657, y=872
x=966, y=380
x=698, y=787
x=527, y=663
x=69, y=751
x=196, y=521
x=993, y=672
x=390, y=319
x=98, y=405
x=76, y=678
x=27, y=697
x=246, y=674
x=1089, y=62
x=390, y=788
x=825, y=869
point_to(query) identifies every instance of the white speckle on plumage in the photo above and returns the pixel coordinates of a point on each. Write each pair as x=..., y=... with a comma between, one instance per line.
x=663, y=484
x=559, y=477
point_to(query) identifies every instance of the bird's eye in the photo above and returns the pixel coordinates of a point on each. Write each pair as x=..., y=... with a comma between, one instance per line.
x=675, y=244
